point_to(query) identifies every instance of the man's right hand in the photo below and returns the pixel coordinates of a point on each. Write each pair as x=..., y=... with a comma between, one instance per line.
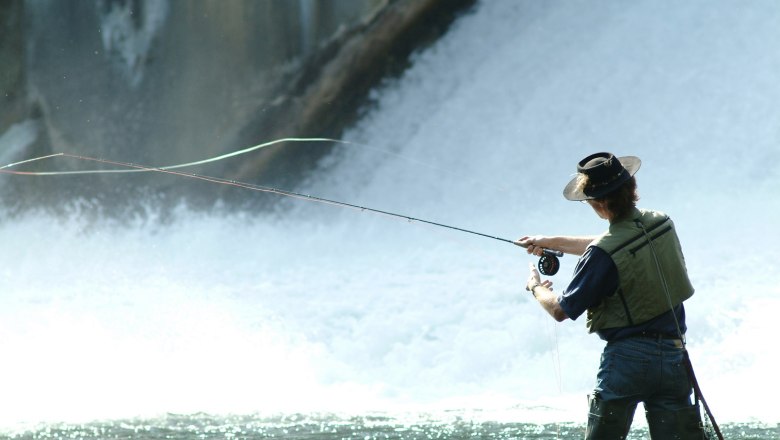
x=532, y=244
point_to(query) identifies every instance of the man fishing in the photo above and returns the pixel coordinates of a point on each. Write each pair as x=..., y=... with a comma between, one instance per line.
x=632, y=282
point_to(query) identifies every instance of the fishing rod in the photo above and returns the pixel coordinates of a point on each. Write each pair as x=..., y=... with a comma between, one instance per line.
x=548, y=263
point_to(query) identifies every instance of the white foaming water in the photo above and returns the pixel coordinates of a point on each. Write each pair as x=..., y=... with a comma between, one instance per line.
x=325, y=309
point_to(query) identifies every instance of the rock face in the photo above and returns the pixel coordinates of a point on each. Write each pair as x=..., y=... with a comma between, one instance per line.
x=326, y=93
x=160, y=82
x=11, y=64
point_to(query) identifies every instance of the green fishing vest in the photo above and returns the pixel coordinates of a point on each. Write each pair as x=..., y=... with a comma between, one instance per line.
x=640, y=295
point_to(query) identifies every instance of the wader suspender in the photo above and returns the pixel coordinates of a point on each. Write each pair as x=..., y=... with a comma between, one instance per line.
x=688, y=365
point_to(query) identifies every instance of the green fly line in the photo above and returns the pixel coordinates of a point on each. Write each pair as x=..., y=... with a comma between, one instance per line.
x=128, y=167
x=168, y=167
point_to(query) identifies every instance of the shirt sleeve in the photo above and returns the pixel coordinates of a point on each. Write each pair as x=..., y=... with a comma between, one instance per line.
x=595, y=278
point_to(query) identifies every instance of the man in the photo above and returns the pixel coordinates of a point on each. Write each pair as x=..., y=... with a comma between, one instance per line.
x=632, y=282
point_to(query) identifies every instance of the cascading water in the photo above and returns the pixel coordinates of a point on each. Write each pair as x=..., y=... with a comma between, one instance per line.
x=319, y=309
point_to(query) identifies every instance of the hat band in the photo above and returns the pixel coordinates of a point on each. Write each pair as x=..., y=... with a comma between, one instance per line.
x=622, y=174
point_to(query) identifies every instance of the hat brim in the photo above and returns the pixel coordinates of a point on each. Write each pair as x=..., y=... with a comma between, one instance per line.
x=630, y=163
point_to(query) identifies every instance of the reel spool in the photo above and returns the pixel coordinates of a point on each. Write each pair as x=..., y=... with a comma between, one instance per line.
x=549, y=263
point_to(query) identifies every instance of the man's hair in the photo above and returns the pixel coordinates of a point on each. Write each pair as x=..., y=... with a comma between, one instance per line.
x=622, y=201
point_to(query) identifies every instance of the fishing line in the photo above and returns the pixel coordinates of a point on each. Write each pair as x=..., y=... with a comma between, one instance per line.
x=231, y=155
x=548, y=262
x=217, y=158
x=168, y=167
x=28, y=161
x=253, y=187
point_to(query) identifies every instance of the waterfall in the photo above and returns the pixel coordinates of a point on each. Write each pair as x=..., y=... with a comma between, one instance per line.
x=316, y=308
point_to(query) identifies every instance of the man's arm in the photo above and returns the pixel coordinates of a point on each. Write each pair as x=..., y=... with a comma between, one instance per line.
x=545, y=295
x=567, y=244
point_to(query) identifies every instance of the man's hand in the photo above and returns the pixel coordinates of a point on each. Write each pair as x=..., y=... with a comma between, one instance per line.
x=534, y=279
x=533, y=244
x=546, y=298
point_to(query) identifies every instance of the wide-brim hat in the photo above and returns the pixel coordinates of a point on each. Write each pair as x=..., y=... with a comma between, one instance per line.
x=605, y=174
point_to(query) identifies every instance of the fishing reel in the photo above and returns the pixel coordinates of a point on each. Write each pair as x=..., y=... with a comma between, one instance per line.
x=549, y=263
